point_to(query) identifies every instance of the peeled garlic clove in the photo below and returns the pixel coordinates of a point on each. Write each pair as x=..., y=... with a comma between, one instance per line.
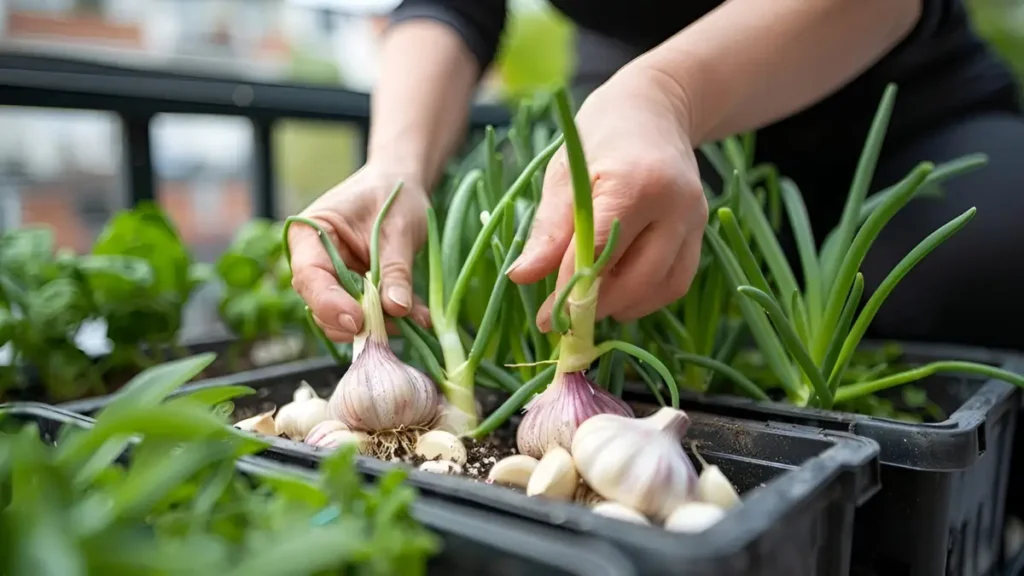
x=553, y=416
x=694, y=517
x=261, y=423
x=338, y=438
x=304, y=392
x=379, y=392
x=554, y=477
x=514, y=470
x=441, y=467
x=296, y=419
x=619, y=512
x=714, y=488
x=639, y=463
x=322, y=429
x=438, y=444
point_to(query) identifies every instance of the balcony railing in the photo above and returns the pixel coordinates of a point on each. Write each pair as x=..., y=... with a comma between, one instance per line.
x=136, y=96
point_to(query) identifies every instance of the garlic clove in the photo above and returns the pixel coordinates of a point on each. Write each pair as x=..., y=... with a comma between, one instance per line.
x=338, y=438
x=694, y=517
x=714, y=488
x=441, y=467
x=322, y=429
x=555, y=476
x=304, y=392
x=619, y=512
x=514, y=470
x=438, y=444
x=553, y=416
x=296, y=419
x=639, y=463
x=261, y=423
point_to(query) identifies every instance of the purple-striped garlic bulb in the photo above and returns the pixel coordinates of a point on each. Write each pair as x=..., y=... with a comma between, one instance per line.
x=553, y=416
x=637, y=462
x=379, y=392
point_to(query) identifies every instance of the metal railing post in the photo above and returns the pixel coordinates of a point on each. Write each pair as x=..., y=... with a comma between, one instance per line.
x=263, y=184
x=140, y=176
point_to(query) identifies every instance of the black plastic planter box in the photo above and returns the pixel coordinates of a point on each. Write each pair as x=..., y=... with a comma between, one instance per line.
x=800, y=488
x=942, y=506
x=474, y=541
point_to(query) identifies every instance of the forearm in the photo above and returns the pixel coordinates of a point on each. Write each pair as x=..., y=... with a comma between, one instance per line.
x=420, y=105
x=750, y=63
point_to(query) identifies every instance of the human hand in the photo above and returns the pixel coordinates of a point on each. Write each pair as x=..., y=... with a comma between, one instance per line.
x=347, y=213
x=644, y=173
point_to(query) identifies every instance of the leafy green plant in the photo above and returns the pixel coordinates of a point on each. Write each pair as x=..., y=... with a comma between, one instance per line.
x=177, y=501
x=258, y=302
x=43, y=303
x=143, y=302
x=808, y=335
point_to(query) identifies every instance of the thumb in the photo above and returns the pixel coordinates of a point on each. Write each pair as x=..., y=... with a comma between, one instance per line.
x=552, y=228
x=396, y=256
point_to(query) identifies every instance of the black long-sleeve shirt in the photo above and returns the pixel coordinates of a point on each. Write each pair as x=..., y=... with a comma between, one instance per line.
x=942, y=69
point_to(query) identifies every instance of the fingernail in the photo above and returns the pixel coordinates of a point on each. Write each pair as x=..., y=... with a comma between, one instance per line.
x=347, y=322
x=400, y=296
x=517, y=263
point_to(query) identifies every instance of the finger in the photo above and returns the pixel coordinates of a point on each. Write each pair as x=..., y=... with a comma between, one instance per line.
x=676, y=284
x=637, y=281
x=397, y=250
x=313, y=278
x=552, y=226
x=333, y=334
x=610, y=205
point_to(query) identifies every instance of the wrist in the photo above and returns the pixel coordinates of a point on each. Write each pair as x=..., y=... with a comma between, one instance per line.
x=663, y=90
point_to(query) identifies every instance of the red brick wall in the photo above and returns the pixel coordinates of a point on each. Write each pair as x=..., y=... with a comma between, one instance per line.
x=212, y=220
x=74, y=27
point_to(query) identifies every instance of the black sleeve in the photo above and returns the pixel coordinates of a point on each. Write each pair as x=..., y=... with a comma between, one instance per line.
x=479, y=22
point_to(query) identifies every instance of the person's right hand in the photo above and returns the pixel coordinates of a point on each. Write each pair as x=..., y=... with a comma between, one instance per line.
x=346, y=213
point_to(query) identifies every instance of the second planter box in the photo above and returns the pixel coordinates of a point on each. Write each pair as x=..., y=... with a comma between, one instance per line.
x=800, y=488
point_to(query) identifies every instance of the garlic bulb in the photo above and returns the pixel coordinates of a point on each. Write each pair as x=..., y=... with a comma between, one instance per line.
x=261, y=423
x=639, y=463
x=299, y=416
x=379, y=392
x=553, y=416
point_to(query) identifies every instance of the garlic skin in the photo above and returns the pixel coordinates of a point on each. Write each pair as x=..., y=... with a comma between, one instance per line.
x=638, y=463
x=553, y=416
x=261, y=423
x=297, y=418
x=379, y=392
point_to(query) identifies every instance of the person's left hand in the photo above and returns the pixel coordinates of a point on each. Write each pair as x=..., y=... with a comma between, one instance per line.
x=643, y=171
